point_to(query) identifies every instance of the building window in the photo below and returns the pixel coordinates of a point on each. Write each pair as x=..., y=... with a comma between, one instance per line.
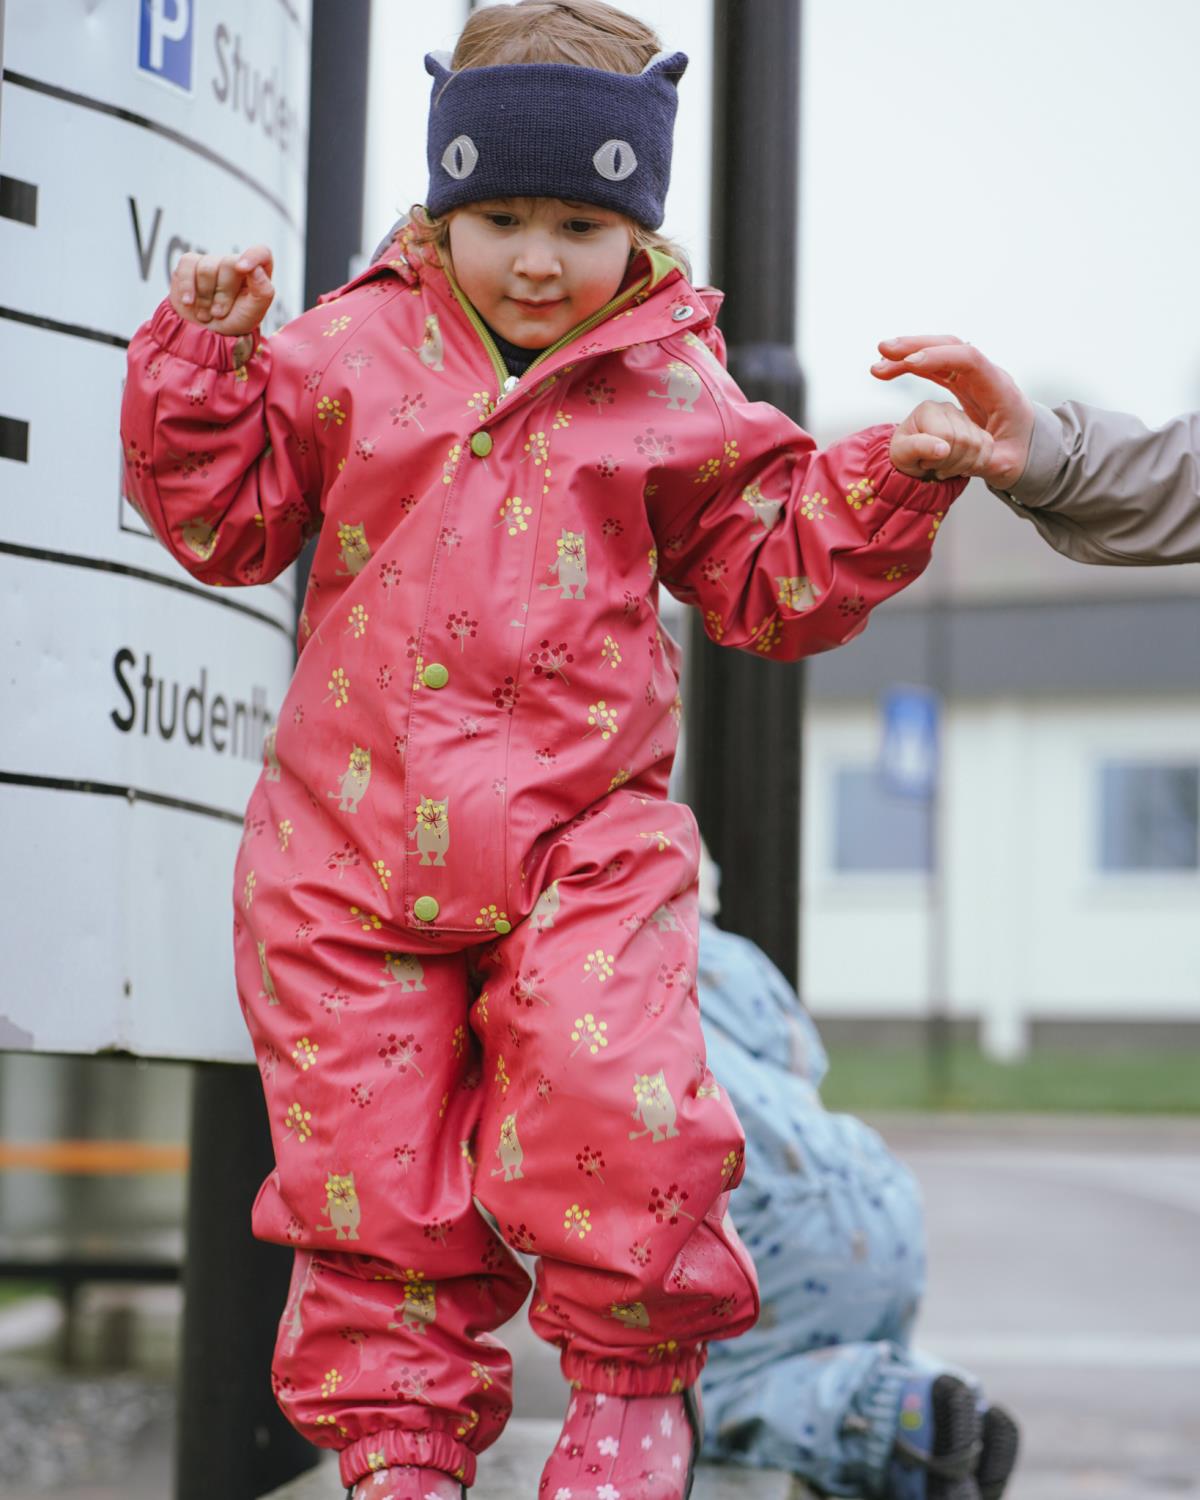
x=1149, y=816
x=876, y=829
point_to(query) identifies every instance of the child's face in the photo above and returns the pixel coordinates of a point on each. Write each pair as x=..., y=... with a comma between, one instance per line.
x=536, y=267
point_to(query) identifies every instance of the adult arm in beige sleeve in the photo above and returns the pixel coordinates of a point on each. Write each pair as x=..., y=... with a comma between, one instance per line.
x=1102, y=487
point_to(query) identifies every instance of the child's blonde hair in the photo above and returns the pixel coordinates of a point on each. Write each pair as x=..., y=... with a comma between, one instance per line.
x=587, y=33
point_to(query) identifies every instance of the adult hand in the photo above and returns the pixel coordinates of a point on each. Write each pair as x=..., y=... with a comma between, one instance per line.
x=226, y=293
x=988, y=395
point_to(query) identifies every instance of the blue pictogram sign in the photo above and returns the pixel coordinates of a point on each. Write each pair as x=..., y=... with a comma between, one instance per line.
x=908, y=755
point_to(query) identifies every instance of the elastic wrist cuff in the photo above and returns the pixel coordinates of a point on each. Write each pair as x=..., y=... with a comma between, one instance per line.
x=199, y=346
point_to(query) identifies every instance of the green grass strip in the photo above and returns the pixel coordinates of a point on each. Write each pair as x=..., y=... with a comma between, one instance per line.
x=863, y=1079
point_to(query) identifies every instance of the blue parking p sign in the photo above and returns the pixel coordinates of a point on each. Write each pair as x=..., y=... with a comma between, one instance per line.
x=165, y=41
x=908, y=758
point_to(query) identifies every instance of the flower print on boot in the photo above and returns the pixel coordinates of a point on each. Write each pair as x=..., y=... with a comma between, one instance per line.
x=407, y=1482
x=950, y=1446
x=625, y=1448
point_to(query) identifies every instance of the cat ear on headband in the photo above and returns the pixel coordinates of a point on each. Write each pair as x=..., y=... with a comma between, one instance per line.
x=437, y=65
x=672, y=65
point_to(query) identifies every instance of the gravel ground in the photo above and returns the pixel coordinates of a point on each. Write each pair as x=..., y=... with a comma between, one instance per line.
x=60, y=1436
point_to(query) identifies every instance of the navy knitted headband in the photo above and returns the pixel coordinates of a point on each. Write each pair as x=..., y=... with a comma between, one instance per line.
x=553, y=130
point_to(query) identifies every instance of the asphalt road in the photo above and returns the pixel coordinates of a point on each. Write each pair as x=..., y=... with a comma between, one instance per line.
x=1064, y=1270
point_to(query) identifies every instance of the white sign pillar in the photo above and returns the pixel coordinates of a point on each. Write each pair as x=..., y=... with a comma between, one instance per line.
x=133, y=700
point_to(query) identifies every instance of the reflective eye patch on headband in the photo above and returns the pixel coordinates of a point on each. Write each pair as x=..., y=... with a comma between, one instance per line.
x=553, y=130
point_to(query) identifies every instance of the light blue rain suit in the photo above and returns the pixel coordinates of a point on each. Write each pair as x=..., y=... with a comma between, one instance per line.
x=835, y=1225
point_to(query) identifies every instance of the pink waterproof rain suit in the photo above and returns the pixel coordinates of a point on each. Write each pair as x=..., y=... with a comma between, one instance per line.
x=465, y=910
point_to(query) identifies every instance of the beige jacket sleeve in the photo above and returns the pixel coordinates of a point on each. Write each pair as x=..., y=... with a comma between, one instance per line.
x=1102, y=487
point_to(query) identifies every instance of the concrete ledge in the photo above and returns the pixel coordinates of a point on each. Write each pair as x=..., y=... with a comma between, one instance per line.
x=510, y=1471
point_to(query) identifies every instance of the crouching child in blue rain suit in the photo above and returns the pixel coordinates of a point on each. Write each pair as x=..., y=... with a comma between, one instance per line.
x=826, y=1384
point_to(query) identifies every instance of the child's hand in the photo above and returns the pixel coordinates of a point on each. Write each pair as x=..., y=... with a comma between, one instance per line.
x=939, y=441
x=989, y=396
x=227, y=293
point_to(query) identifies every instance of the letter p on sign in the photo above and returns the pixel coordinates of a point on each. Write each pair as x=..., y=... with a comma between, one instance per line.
x=165, y=37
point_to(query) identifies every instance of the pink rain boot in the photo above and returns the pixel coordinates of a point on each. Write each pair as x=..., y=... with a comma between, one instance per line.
x=624, y=1448
x=406, y=1482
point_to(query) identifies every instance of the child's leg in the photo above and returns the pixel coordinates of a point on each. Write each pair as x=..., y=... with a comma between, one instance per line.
x=863, y=1419
x=825, y=1384
x=605, y=1146
x=371, y=1078
x=834, y=1223
x=830, y=1415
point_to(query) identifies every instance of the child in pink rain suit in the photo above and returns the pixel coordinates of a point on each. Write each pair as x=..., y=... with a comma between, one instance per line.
x=465, y=919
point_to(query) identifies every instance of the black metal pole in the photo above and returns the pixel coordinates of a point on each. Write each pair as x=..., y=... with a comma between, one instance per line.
x=232, y=1439
x=337, y=142
x=337, y=150
x=744, y=715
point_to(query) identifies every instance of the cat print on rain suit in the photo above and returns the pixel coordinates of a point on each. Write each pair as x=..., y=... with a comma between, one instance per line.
x=485, y=908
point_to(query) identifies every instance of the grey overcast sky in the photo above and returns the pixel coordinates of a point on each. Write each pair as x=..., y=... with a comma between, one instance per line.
x=1023, y=174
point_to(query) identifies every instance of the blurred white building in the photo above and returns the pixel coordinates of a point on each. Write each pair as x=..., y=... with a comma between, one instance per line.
x=1070, y=832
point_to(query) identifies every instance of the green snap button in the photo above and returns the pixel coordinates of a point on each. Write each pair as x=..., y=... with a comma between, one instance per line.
x=425, y=908
x=435, y=675
x=502, y=926
x=481, y=444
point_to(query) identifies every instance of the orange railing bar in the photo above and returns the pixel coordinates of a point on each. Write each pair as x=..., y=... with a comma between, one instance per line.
x=92, y=1158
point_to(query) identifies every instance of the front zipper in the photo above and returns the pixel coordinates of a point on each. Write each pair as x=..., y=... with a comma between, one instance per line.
x=589, y=323
x=498, y=366
x=507, y=383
